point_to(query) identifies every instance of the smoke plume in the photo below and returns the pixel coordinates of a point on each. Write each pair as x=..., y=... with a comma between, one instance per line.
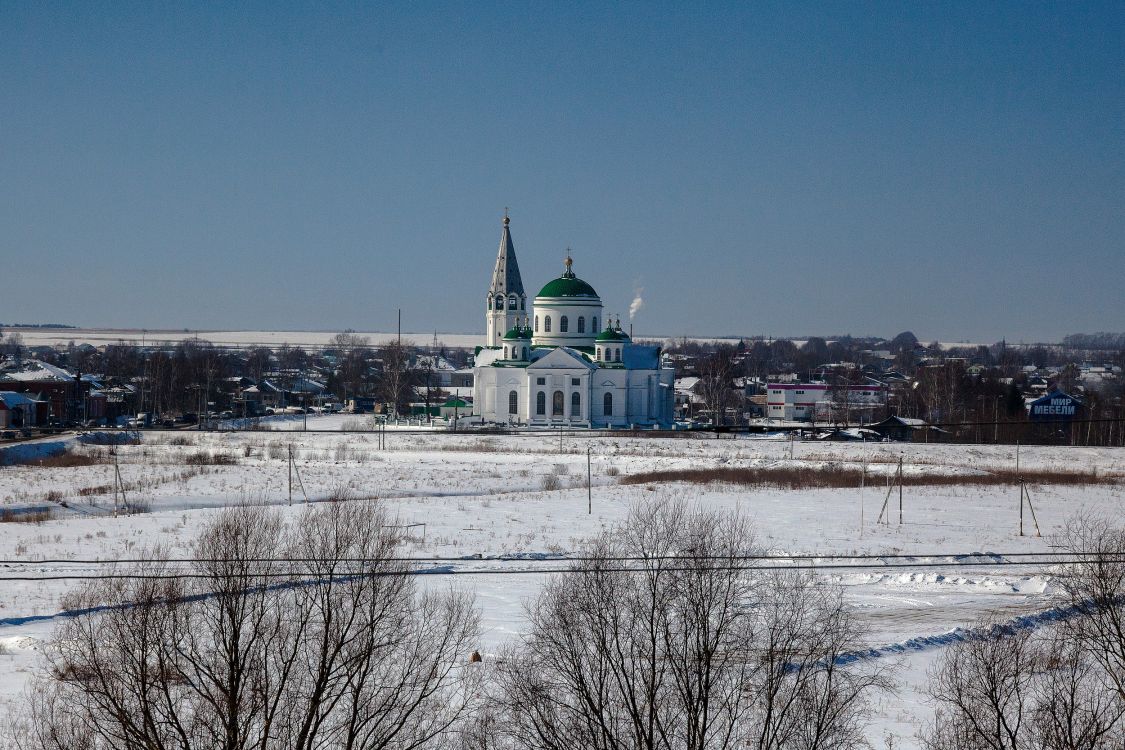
x=637, y=303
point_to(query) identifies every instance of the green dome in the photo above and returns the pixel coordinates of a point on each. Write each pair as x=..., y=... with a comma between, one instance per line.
x=517, y=333
x=611, y=335
x=567, y=287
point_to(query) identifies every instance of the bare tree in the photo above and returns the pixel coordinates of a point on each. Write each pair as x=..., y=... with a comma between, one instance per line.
x=983, y=688
x=329, y=647
x=1009, y=689
x=716, y=381
x=13, y=347
x=1096, y=587
x=351, y=364
x=1060, y=689
x=686, y=650
x=396, y=375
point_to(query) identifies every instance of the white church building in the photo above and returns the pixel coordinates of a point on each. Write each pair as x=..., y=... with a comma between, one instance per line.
x=562, y=362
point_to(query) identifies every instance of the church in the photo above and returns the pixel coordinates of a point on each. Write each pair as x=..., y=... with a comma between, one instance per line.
x=562, y=362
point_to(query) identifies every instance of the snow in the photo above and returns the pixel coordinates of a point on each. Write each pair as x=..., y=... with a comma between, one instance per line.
x=479, y=497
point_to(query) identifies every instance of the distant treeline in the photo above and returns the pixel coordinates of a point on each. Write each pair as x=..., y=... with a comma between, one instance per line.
x=36, y=325
x=1095, y=340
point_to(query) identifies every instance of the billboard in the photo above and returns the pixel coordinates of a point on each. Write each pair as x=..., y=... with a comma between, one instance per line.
x=1055, y=406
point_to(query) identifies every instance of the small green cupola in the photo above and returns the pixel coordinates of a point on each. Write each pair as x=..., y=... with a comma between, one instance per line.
x=610, y=342
x=517, y=342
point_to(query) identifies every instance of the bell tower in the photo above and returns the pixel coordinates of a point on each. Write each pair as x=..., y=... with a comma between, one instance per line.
x=506, y=301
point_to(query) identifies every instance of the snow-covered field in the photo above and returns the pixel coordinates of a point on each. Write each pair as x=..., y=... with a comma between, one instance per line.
x=309, y=339
x=482, y=497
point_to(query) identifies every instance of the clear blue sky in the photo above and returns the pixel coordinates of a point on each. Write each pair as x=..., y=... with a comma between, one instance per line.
x=957, y=169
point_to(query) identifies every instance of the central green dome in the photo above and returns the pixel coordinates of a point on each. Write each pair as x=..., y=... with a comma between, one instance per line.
x=567, y=285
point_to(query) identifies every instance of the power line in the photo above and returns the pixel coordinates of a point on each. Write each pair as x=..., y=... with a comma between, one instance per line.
x=580, y=558
x=312, y=576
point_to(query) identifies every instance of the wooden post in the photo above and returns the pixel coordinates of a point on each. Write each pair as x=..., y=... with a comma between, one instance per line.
x=589, y=488
x=1019, y=480
x=900, y=490
x=116, y=482
x=1020, y=507
x=862, y=482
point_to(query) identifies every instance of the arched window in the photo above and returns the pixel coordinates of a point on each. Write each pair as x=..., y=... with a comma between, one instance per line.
x=505, y=352
x=547, y=323
x=537, y=324
x=525, y=352
x=581, y=324
x=607, y=405
x=512, y=302
x=513, y=402
x=598, y=356
x=523, y=303
x=499, y=302
x=576, y=404
x=594, y=324
x=541, y=403
x=557, y=404
x=616, y=355
x=564, y=324
x=489, y=301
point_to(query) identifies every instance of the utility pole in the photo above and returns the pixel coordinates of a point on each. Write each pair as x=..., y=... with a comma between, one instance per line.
x=290, y=474
x=900, y=490
x=116, y=482
x=862, y=483
x=1019, y=480
x=589, y=488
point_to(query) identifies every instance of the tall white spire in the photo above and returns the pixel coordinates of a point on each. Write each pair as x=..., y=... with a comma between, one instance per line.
x=506, y=301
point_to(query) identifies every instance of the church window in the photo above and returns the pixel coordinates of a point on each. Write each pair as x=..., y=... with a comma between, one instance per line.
x=537, y=324
x=581, y=324
x=575, y=382
x=576, y=404
x=489, y=301
x=557, y=404
x=525, y=352
x=547, y=323
x=594, y=324
x=599, y=354
x=523, y=303
x=616, y=355
x=499, y=302
x=505, y=352
x=541, y=381
x=512, y=302
x=564, y=324
x=607, y=405
x=513, y=402
x=541, y=403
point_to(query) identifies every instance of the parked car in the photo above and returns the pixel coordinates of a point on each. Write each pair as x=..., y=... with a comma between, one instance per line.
x=8, y=435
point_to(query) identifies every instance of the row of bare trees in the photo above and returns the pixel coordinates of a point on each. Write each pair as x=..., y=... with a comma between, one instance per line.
x=279, y=636
x=313, y=634
x=191, y=374
x=691, y=652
